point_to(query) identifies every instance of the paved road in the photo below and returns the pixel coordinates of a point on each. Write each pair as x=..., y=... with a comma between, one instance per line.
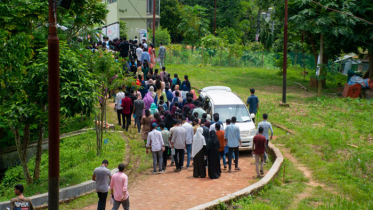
x=181, y=190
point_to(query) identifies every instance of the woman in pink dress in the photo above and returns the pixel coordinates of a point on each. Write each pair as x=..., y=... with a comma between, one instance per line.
x=152, y=55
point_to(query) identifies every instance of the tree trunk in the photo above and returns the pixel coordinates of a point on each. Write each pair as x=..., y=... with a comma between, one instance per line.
x=22, y=149
x=295, y=59
x=39, y=150
x=321, y=65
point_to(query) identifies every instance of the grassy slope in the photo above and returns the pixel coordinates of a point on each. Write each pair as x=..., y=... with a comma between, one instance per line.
x=324, y=126
x=77, y=162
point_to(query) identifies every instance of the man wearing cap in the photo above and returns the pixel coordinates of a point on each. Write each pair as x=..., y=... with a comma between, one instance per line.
x=155, y=141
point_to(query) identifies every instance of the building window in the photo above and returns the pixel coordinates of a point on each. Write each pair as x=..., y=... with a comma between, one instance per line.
x=111, y=1
x=149, y=7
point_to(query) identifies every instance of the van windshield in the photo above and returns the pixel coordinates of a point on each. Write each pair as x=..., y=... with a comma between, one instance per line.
x=228, y=111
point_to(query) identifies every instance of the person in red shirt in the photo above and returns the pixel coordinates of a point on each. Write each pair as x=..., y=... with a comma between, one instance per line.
x=220, y=134
x=126, y=111
x=259, y=147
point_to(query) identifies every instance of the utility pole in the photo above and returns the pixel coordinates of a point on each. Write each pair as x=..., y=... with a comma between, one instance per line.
x=285, y=54
x=154, y=23
x=53, y=109
x=215, y=19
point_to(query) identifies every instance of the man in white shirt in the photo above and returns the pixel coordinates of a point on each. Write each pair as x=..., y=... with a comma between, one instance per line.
x=118, y=104
x=136, y=39
x=178, y=140
x=189, y=138
x=144, y=43
x=138, y=53
x=155, y=141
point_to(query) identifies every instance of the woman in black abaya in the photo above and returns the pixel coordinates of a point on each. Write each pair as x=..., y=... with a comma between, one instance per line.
x=212, y=153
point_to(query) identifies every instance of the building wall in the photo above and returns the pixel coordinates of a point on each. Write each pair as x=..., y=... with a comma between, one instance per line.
x=112, y=16
x=134, y=25
x=125, y=11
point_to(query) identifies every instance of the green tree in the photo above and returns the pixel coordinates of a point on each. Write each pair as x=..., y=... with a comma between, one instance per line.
x=123, y=29
x=82, y=15
x=161, y=35
x=194, y=24
x=318, y=23
x=171, y=17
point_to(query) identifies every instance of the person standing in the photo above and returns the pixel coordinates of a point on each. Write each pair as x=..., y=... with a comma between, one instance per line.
x=145, y=56
x=198, y=109
x=253, y=103
x=126, y=111
x=138, y=111
x=166, y=140
x=178, y=140
x=259, y=147
x=266, y=128
x=185, y=85
x=124, y=48
x=233, y=140
x=101, y=175
x=155, y=142
x=161, y=55
x=163, y=74
x=198, y=154
x=216, y=120
x=118, y=104
x=138, y=55
x=220, y=134
x=133, y=97
x=212, y=153
x=195, y=125
x=189, y=129
x=145, y=122
x=20, y=202
x=119, y=184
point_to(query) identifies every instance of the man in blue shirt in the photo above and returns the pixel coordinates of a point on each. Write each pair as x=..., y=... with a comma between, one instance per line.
x=253, y=103
x=233, y=140
x=145, y=56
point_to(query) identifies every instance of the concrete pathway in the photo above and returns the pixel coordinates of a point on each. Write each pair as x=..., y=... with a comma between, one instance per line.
x=181, y=190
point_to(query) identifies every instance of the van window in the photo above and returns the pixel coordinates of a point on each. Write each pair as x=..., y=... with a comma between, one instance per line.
x=228, y=111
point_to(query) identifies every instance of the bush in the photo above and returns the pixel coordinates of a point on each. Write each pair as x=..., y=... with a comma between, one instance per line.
x=161, y=35
x=77, y=161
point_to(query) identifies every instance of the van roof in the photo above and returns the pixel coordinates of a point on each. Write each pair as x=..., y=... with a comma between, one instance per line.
x=224, y=98
x=216, y=88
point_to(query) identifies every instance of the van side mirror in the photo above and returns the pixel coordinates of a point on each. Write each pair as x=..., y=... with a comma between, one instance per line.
x=252, y=115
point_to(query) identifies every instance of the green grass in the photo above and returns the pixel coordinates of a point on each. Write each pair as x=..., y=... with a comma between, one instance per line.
x=77, y=161
x=67, y=124
x=275, y=195
x=323, y=125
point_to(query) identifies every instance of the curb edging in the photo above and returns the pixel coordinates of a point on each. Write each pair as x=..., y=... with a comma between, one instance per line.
x=252, y=188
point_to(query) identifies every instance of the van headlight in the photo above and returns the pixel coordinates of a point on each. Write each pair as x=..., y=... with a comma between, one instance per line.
x=253, y=132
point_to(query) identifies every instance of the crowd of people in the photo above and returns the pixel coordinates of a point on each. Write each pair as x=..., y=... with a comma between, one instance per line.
x=172, y=122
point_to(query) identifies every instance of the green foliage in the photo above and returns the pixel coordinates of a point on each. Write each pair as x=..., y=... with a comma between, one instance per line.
x=194, y=24
x=123, y=28
x=230, y=35
x=255, y=46
x=82, y=15
x=76, y=82
x=279, y=62
x=161, y=35
x=170, y=13
x=77, y=161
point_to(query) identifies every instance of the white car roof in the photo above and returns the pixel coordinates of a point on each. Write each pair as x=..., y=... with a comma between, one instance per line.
x=224, y=98
x=216, y=88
